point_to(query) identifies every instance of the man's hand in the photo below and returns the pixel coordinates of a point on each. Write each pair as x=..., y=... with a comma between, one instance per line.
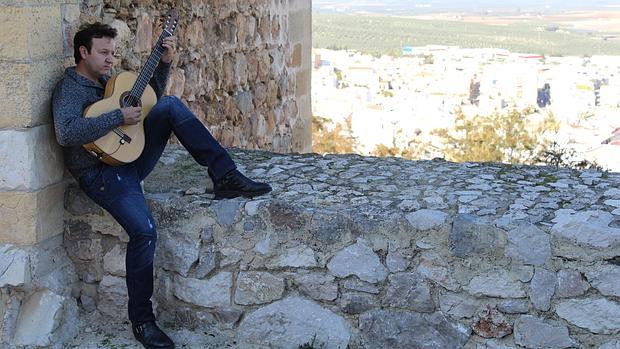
x=131, y=115
x=169, y=45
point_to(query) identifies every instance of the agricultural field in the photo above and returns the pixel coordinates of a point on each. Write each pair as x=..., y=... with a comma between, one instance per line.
x=571, y=34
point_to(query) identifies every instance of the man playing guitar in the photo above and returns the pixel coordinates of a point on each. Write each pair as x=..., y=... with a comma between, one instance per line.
x=117, y=188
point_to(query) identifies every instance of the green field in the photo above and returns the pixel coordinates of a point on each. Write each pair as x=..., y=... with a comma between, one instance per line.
x=384, y=34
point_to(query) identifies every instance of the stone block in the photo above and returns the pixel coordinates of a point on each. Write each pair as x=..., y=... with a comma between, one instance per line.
x=496, y=283
x=70, y=14
x=114, y=261
x=542, y=289
x=30, y=217
x=14, y=266
x=51, y=268
x=529, y=245
x=399, y=330
x=357, y=303
x=533, y=332
x=144, y=34
x=359, y=260
x=30, y=159
x=296, y=257
x=303, y=83
x=570, y=284
x=258, y=288
x=605, y=278
x=296, y=59
x=285, y=324
x=317, y=285
x=426, y=219
x=26, y=91
x=112, y=296
x=597, y=315
x=214, y=292
x=409, y=291
x=38, y=318
x=30, y=33
x=178, y=250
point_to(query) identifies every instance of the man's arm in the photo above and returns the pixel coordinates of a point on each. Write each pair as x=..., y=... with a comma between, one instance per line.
x=160, y=78
x=72, y=129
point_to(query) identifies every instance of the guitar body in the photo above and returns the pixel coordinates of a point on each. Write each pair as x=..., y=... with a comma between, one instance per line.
x=124, y=144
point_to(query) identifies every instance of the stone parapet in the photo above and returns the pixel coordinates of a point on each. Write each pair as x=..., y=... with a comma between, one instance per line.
x=373, y=253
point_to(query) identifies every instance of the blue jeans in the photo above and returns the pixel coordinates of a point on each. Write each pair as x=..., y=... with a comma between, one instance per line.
x=117, y=189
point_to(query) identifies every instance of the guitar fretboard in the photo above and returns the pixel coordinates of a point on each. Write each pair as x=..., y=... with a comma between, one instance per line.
x=149, y=68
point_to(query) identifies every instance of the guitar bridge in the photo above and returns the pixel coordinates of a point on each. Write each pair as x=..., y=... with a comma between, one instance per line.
x=125, y=139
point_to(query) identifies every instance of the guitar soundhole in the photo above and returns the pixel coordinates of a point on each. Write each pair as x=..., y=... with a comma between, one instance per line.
x=127, y=100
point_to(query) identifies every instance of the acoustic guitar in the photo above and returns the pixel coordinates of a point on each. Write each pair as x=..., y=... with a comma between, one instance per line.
x=125, y=143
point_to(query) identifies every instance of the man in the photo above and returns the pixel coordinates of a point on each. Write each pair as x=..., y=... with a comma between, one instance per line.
x=117, y=188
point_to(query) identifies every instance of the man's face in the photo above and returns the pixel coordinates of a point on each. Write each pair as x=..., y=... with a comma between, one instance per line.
x=101, y=57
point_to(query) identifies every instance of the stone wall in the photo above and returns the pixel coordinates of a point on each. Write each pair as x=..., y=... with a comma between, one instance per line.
x=373, y=253
x=243, y=66
x=36, y=277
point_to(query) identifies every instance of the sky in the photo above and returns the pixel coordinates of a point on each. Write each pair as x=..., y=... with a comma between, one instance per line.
x=463, y=5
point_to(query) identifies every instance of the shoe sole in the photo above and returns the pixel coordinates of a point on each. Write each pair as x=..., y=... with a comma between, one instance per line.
x=151, y=347
x=235, y=194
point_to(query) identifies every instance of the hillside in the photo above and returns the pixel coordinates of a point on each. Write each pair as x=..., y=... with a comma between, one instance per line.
x=386, y=34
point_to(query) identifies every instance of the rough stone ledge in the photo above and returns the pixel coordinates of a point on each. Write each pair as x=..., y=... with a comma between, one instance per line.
x=364, y=252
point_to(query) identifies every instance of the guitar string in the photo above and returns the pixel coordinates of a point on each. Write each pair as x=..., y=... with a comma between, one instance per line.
x=152, y=62
x=150, y=66
x=140, y=83
x=131, y=97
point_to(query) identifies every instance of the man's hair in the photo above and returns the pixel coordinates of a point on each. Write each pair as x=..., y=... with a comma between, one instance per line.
x=84, y=37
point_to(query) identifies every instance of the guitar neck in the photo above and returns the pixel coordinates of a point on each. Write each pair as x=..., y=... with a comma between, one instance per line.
x=149, y=68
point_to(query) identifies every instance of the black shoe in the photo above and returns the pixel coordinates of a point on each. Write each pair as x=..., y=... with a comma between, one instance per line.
x=235, y=184
x=151, y=336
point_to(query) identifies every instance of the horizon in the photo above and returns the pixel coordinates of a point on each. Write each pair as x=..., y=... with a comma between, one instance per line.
x=434, y=6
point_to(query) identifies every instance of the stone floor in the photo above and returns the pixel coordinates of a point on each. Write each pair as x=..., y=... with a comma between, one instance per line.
x=97, y=333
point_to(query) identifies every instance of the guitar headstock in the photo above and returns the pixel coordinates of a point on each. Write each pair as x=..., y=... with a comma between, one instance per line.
x=171, y=22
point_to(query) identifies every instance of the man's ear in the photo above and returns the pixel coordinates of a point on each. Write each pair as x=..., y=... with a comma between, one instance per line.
x=83, y=52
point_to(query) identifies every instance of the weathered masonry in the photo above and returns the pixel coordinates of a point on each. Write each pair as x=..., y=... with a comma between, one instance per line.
x=352, y=252
x=374, y=253
x=243, y=68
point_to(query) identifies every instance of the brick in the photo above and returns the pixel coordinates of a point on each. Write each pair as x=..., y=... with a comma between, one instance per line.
x=25, y=91
x=30, y=33
x=30, y=159
x=296, y=61
x=31, y=217
x=302, y=83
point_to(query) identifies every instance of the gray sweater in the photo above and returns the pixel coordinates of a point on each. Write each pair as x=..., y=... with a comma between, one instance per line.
x=73, y=93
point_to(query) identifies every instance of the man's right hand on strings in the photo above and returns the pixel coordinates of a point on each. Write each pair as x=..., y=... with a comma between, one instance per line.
x=131, y=115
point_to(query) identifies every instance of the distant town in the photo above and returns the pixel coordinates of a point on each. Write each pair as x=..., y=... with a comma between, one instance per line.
x=394, y=99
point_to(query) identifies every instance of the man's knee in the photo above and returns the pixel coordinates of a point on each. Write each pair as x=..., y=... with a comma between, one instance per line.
x=146, y=232
x=178, y=111
x=170, y=99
